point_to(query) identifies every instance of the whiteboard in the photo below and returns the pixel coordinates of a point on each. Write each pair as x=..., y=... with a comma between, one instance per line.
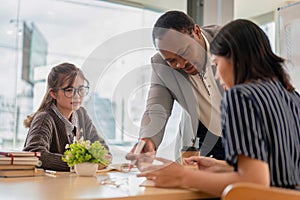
x=288, y=39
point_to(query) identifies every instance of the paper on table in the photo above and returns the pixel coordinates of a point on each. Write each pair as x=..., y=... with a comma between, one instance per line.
x=122, y=167
x=147, y=183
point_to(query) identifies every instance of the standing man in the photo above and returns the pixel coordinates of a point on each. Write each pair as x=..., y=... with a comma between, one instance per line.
x=182, y=72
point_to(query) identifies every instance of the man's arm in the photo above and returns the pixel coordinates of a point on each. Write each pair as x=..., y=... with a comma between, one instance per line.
x=167, y=85
x=158, y=110
x=159, y=106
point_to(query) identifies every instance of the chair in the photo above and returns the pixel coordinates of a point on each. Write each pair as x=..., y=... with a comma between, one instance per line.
x=250, y=191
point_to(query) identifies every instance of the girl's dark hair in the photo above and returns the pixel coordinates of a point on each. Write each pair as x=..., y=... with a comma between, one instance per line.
x=58, y=76
x=249, y=47
x=176, y=20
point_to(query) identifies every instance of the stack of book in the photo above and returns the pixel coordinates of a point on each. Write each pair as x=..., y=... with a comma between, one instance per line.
x=19, y=164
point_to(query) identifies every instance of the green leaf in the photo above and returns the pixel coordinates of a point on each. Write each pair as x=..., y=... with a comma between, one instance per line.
x=85, y=151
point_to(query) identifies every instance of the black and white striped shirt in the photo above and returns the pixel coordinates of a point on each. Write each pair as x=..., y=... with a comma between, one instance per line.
x=262, y=120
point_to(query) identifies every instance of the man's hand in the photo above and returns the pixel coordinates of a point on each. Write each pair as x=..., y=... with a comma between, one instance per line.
x=149, y=147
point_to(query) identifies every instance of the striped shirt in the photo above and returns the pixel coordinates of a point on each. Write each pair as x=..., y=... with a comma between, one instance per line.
x=69, y=124
x=262, y=120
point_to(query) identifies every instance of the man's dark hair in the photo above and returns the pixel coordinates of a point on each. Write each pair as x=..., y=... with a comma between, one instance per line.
x=176, y=20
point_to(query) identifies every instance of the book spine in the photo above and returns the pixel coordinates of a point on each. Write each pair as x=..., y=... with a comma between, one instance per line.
x=19, y=154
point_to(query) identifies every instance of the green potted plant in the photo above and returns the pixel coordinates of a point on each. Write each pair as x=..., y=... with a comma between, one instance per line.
x=85, y=156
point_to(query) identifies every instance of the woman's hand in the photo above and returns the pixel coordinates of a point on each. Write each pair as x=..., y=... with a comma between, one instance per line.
x=208, y=164
x=167, y=174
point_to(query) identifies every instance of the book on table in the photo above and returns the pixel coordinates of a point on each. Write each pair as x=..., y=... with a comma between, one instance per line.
x=23, y=160
x=16, y=167
x=21, y=172
x=17, y=153
x=16, y=157
x=14, y=163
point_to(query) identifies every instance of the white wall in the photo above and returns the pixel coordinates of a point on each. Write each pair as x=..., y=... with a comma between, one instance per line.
x=161, y=5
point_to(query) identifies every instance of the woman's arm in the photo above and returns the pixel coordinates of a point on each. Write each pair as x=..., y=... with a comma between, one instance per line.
x=43, y=137
x=171, y=174
x=249, y=170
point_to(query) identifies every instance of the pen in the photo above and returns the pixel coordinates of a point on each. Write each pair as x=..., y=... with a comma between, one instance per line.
x=50, y=172
x=137, y=150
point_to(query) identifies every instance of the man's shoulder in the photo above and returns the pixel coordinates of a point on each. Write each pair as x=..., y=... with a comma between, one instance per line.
x=210, y=30
x=158, y=59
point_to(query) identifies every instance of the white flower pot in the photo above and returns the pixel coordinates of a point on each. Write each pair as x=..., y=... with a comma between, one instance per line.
x=86, y=169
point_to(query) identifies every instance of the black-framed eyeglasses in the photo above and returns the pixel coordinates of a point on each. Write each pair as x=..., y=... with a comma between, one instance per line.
x=71, y=91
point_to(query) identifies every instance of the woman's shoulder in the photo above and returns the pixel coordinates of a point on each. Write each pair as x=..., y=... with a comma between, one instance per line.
x=41, y=120
x=235, y=93
x=82, y=113
x=259, y=90
x=82, y=110
x=83, y=116
x=247, y=88
x=42, y=116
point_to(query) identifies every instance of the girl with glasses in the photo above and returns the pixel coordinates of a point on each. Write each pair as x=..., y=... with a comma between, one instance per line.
x=60, y=119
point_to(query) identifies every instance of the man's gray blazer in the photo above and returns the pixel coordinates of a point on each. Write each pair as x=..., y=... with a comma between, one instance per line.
x=167, y=85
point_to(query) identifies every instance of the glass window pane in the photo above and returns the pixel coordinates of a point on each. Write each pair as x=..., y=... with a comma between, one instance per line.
x=35, y=35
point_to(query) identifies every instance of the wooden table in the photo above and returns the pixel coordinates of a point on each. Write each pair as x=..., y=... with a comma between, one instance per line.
x=71, y=186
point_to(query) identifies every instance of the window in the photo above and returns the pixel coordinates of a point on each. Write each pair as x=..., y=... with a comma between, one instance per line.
x=269, y=29
x=36, y=35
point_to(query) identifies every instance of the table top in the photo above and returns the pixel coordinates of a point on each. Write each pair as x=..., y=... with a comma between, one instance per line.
x=110, y=185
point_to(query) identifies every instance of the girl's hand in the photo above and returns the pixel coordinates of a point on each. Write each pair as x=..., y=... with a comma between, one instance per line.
x=101, y=166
